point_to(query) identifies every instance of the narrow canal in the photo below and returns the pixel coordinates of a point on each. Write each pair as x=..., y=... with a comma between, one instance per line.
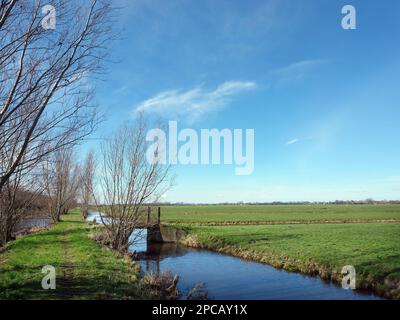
x=220, y=276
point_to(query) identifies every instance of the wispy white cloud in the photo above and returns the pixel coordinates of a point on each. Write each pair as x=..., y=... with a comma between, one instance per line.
x=121, y=90
x=194, y=102
x=293, y=141
x=297, y=140
x=298, y=70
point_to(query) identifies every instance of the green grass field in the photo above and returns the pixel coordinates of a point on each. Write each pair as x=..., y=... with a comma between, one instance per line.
x=264, y=214
x=312, y=239
x=372, y=248
x=84, y=269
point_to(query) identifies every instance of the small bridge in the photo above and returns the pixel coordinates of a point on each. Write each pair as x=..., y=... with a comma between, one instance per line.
x=151, y=218
x=160, y=234
x=152, y=224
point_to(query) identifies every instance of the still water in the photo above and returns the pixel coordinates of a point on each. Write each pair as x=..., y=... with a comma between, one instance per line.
x=227, y=277
x=32, y=223
x=138, y=236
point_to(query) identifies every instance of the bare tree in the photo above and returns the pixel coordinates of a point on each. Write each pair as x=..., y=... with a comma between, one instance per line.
x=87, y=181
x=129, y=182
x=20, y=196
x=62, y=179
x=45, y=102
x=45, y=98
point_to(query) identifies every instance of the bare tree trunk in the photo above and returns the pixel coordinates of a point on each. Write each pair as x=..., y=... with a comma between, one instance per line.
x=87, y=181
x=18, y=198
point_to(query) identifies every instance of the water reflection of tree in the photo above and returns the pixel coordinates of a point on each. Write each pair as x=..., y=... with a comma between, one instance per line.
x=152, y=266
x=198, y=292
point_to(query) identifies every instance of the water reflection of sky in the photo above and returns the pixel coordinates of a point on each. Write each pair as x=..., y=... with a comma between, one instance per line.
x=227, y=277
x=138, y=236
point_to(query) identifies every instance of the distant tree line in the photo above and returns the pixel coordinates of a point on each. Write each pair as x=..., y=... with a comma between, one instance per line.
x=241, y=203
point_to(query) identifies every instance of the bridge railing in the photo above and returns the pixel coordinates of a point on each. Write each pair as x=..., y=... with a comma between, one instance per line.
x=153, y=215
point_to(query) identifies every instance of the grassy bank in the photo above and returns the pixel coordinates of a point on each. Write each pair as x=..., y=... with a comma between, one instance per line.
x=311, y=239
x=85, y=270
x=278, y=214
x=318, y=249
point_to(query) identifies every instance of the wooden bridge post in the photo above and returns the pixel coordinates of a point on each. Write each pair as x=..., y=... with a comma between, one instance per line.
x=159, y=215
x=148, y=215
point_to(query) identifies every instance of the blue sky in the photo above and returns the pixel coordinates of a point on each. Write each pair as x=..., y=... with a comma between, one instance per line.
x=323, y=101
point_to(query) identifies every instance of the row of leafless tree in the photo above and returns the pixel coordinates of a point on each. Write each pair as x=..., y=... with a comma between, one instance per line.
x=46, y=109
x=46, y=101
x=66, y=183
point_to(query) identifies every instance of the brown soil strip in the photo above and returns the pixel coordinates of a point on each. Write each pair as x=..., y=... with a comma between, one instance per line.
x=66, y=285
x=245, y=223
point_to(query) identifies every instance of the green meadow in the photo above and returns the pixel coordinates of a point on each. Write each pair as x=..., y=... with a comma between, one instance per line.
x=84, y=269
x=312, y=239
x=265, y=214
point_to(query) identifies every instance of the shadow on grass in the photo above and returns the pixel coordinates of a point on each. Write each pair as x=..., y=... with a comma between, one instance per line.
x=91, y=286
x=99, y=287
